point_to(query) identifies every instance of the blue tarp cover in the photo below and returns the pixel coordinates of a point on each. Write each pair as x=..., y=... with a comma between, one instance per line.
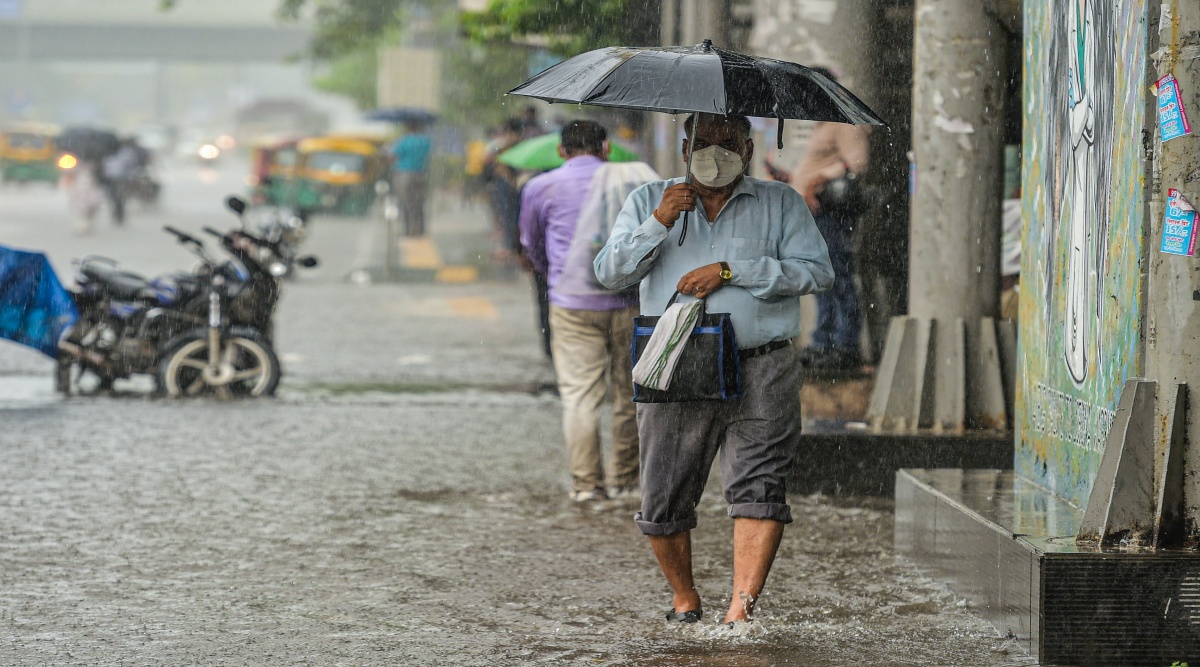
x=35, y=310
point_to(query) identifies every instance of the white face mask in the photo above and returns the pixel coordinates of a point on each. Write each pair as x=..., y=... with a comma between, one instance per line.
x=716, y=167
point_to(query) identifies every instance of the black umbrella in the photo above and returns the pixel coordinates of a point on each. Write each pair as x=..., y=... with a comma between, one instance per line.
x=87, y=143
x=402, y=115
x=701, y=78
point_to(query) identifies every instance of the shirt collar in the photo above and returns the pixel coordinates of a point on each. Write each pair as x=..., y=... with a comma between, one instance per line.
x=581, y=159
x=744, y=186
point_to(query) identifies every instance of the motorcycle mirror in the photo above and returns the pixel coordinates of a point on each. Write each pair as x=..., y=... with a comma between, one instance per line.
x=308, y=261
x=236, y=205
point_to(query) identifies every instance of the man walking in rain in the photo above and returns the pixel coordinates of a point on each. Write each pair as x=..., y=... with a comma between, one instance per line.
x=591, y=327
x=410, y=176
x=752, y=251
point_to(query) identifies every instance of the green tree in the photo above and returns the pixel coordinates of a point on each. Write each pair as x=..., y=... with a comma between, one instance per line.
x=567, y=27
x=351, y=75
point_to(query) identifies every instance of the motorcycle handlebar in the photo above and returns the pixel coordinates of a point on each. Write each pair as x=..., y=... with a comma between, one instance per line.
x=226, y=239
x=182, y=236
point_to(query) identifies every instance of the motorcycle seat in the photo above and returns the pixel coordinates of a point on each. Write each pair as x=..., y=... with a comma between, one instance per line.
x=119, y=284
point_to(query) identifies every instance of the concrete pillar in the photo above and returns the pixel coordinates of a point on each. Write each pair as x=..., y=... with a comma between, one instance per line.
x=685, y=23
x=1172, y=309
x=959, y=74
x=959, y=78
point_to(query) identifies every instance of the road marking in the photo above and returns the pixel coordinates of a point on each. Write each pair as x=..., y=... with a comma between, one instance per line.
x=419, y=253
x=457, y=274
x=477, y=307
x=468, y=307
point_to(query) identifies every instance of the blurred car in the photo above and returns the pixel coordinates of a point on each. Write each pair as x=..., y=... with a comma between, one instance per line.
x=198, y=146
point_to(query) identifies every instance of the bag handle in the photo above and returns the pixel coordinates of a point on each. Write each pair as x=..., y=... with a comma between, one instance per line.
x=703, y=303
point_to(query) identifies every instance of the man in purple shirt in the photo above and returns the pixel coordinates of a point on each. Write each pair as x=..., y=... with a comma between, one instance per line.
x=591, y=327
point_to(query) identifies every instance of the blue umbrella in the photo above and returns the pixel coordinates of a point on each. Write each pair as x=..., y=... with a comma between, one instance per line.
x=35, y=310
x=402, y=115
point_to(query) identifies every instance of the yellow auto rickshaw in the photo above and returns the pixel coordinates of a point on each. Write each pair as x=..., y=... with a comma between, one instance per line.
x=337, y=174
x=274, y=162
x=27, y=153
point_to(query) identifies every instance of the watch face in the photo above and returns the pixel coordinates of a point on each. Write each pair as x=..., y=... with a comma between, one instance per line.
x=726, y=274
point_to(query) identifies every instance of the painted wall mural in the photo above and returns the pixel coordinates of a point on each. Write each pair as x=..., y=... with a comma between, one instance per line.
x=1085, y=82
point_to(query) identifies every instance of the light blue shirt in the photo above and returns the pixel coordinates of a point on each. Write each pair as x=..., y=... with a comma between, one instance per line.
x=411, y=152
x=765, y=232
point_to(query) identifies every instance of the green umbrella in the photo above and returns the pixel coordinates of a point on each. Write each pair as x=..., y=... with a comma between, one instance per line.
x=541, y=153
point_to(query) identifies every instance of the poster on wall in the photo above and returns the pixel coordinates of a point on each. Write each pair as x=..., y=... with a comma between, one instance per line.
x=1172, y=117
x=1083, y=200
x=1179, y=225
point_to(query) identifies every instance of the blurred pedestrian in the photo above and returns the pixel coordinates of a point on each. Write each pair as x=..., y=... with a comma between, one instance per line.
x=530, y=125
x=410, y=176
x=117, y=170
x=828, y=177
x=473, y=165
x=84, y=193
x=500, y=181
x=504, y=185
x=591, y=327
x=752, y=250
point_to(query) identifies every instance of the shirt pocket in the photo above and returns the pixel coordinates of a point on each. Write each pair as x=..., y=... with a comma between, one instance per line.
x=751, y=248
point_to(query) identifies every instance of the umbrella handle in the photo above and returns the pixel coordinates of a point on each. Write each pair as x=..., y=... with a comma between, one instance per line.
x=688, y=174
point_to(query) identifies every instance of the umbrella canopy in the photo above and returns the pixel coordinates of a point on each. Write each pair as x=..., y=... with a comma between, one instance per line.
x=87, y=143
x=701, y=78
x=402, y=115
x=35, y=310
x=541, y=153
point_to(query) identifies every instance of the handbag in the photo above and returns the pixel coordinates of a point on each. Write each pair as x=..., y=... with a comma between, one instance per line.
x=708, y=369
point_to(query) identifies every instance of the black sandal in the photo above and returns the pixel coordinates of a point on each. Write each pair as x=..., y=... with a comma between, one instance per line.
x=692, y=616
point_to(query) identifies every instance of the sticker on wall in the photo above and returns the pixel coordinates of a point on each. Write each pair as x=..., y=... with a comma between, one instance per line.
x=1172, y=117
x=1179, y=225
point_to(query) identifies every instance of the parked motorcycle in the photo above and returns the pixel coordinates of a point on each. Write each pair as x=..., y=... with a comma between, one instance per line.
x=203, y=332
x=283, y=229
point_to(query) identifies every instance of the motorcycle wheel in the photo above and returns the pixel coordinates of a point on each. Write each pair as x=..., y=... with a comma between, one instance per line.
x=255, y=367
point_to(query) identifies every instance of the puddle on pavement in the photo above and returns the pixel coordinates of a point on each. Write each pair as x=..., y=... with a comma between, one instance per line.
x=415, y=531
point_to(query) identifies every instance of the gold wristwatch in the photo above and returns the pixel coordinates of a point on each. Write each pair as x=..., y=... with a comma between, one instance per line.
x=726, y=274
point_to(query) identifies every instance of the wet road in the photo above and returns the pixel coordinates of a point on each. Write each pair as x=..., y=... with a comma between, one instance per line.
x=402, y=502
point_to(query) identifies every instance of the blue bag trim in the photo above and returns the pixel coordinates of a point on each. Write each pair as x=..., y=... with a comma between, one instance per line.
x=727, y=337
x=649, y=331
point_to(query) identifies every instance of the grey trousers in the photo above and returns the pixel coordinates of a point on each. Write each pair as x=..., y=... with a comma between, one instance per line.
x=755, y=435
x=412, y=189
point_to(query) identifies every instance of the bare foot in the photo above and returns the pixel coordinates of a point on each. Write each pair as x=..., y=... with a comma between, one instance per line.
x=741, y=609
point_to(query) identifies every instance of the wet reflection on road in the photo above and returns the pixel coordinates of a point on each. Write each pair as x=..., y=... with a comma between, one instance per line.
x=378, y=529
